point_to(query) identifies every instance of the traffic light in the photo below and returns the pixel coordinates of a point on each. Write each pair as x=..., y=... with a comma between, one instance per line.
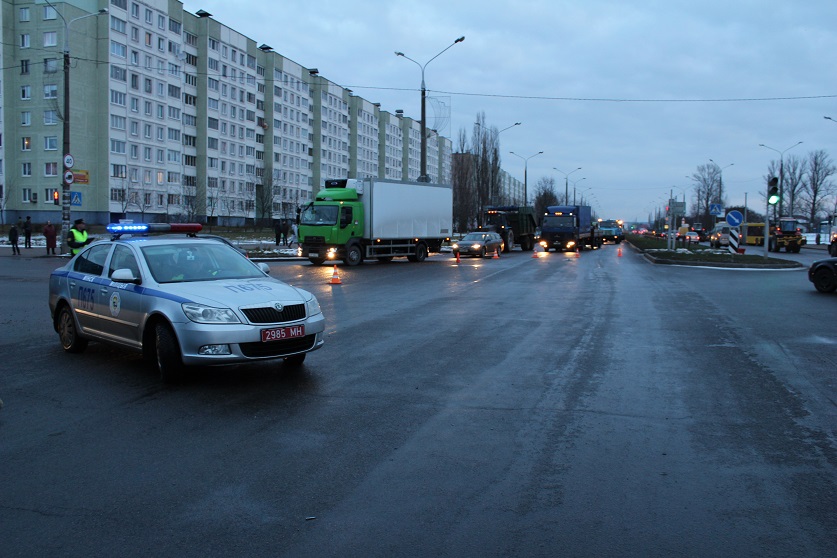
x=55, y=197
x=773, y=196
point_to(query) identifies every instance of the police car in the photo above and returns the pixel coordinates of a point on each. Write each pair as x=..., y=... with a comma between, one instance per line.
x=181, y=301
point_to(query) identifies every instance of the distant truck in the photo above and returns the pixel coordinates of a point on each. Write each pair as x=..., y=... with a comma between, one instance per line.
x=569, y=227
x=353, y=220
x=610, y=230
x=786, y=234
x=516, y=224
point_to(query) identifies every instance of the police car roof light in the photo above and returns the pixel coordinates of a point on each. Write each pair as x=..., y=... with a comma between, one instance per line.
x=117, y=229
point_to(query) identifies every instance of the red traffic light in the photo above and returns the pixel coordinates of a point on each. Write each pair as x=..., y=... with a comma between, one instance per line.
x=55, y=197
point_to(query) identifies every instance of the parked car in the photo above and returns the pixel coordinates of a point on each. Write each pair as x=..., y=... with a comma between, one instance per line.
x=478, y=244
x=823, y=274
x=181, y=301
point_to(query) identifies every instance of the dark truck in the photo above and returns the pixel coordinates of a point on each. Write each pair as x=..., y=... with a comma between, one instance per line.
x=569, y=227
x=513, y=223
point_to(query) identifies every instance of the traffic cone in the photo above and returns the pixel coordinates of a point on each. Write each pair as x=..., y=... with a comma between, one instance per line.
x=496, y=255
x=535, y=253
x=577, y=252
x=335, y=279
x=457, y=257
x=619, y=252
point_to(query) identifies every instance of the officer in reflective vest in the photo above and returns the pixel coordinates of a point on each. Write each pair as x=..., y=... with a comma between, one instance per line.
x=77, y=237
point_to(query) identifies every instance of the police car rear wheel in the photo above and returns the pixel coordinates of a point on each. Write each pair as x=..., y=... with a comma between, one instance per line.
x=169, y=363
x=67, y=332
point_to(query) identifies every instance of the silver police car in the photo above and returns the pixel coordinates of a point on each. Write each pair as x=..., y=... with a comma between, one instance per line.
x=181, y=301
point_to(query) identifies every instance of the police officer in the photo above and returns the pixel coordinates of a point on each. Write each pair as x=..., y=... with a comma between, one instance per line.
x=77, y=237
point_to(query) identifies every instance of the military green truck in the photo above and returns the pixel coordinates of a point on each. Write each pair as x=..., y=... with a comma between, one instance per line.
x=516, y=224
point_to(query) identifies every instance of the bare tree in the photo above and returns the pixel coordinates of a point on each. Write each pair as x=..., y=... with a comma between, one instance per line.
x=264, y=200
x=707, y=179
x=462, y=178
x=794, y=172
x=817, y=185
x=545, y=195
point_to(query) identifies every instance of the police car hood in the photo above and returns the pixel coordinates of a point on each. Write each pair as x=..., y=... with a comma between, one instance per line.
x=234, y=293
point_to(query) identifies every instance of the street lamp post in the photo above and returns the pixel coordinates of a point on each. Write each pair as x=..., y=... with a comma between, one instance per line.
x=566, y=182
x=65, y=185
x=491, y=195
x=720, y=181
x=576, y=182
x=423, y=176
x=526, y=174
x=781, y=174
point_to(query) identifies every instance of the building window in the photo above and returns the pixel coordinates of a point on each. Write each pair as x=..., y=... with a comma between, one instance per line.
x=117, y=24
x=26, y=143
x=50, y=65
x=25, y=92
x=118, y=171
x=49, y=13
x=50, y=117
x=50, y=91
x=26, y=170
x=24, y=67
x=26, y=118
x=50, y=38
x=25, y=15
x=50, y=169
x=50, y=143
x=24, y=40
x=117, y=146
x=118, y=49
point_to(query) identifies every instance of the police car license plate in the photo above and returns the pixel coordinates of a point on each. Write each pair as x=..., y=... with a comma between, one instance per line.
x=281, y=333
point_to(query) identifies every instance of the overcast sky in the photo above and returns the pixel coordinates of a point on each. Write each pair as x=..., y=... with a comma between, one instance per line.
x=637, y=93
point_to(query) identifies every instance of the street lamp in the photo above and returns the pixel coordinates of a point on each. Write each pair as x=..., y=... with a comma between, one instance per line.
x=526, y=174
x=423, y=176
x=829, y=118
x=65, y=185
x=566, y=182
x=781, y=173
x=576, y=182
x=720, y=181
x=491, y=195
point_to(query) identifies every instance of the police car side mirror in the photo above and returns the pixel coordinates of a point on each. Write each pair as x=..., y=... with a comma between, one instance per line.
x=264, y=267
x=125, y=276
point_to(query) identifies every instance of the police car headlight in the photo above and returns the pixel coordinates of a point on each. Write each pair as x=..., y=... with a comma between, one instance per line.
x=312, y=306
x=208, y=315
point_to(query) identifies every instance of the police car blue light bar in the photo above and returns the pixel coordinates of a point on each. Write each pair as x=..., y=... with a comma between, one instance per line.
x=145, y=228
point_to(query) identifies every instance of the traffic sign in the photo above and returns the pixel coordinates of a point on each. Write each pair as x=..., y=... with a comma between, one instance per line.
x=734, y=218
x=716, y=209
x=68, y=177
x=69, y=161
x=75, y=198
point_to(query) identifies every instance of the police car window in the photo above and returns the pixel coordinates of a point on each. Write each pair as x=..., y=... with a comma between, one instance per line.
x=92, y=261
x=123, y=258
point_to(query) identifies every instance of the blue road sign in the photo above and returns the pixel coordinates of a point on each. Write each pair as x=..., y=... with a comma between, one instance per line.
x=75, y=198
x=734, y=218
x=716, y=209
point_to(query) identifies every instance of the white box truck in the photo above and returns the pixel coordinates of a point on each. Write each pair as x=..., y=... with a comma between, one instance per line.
x=356, y=219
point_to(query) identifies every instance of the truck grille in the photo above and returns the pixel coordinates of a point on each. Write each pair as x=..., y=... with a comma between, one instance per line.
x=270, y=315
x=314, y=240
x=278, y=348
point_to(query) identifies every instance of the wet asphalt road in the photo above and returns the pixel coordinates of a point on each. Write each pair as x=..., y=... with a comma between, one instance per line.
x=575, y=406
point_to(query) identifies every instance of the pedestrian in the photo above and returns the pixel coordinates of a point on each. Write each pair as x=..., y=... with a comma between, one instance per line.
x=13, y=238
x=77, y=237
x=294, y=231
x=50, y=235
x=284, y=228
x=277, y=230
x=27, y=232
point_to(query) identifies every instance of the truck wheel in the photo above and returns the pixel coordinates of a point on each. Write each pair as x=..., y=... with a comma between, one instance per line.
x=509, y=243
x=420, y=254
x=354, y=255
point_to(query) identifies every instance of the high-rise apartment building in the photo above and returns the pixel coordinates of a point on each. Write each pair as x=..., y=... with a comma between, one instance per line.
x=174, y=116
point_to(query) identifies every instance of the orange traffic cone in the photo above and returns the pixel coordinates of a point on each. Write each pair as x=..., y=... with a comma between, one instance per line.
x=577, y=252
x=619, y=252
x=535, y=253
x=496, y=255
x=335, y=279
x=457, y=257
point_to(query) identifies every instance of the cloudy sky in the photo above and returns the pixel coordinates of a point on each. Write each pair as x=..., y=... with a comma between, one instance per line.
x=636, y=93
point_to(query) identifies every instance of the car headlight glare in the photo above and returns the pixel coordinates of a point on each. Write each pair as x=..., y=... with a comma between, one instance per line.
x=475, y=246
x=201, y=314
x=455, y=246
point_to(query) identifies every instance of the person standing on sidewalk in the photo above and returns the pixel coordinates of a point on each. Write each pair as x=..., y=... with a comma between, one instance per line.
x=27, y=232
x=14, y=236
x=50, y=235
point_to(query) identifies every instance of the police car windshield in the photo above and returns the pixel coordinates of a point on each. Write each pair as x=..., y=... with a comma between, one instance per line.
x=190, y=261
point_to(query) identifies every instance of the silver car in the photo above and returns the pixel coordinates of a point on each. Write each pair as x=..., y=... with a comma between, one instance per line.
x=181, y=302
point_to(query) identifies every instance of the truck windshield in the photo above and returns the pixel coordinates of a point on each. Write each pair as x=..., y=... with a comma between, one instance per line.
x=788, y=225
x=319, y=215
x=559, y=221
